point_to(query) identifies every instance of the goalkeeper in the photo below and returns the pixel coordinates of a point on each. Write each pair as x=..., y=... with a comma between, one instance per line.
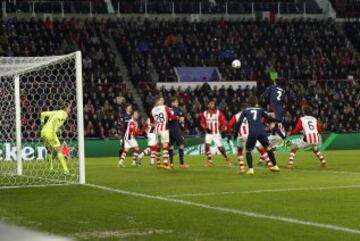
x=51, y=122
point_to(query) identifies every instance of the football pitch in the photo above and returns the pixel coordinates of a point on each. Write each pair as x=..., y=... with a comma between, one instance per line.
x=202, y=204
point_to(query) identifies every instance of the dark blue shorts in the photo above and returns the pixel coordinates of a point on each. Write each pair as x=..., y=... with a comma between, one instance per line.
x=254, y=137
x=279, y=113
x=176, y=137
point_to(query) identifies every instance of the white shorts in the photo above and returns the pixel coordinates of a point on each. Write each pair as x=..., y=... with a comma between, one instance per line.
x=241, y=141
x=152, y=141
x=306, y=146
x=275, y=140
x=216, y=138
x=163, y=137
x=131, y=143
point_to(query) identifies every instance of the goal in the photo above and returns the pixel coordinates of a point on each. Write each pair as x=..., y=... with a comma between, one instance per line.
x=28, y=86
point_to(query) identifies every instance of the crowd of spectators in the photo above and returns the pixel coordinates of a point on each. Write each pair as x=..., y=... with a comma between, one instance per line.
x=297, y=49
x=302, y=51
x=346, y=8
x=352, y=30
x=105, y=94
x=335, y=103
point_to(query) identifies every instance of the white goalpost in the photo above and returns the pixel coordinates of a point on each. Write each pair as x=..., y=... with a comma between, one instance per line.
x=29, y=86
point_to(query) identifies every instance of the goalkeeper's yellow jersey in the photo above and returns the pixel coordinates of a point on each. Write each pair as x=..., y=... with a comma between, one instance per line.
x=55, y=119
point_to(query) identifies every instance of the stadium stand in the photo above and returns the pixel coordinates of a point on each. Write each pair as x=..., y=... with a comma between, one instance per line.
x=298, y=49
x=105, y=93
x=312, y=55
x=346, y=8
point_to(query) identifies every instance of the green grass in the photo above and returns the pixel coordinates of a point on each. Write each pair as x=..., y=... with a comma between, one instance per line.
x=87, y=213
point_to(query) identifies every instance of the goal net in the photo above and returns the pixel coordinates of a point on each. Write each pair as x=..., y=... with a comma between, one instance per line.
x=29, y=86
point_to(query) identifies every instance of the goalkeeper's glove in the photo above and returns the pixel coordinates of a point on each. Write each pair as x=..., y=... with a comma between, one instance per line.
x=223, y=134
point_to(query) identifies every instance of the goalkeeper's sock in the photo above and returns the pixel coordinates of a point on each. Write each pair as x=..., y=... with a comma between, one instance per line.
x=50, y=160
x=171, y=156
x=181, y=156
x=61, y=158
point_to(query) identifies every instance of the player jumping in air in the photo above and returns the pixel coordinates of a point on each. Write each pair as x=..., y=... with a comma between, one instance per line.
x=257, y=132
x=214, y=123
x=132, y=130
x=276, y=96
x=51, y=122
x=175, y=134
x=152, y=148
x=160, y=117
x=311, y=129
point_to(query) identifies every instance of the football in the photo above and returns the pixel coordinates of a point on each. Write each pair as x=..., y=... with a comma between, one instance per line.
x=236, y=64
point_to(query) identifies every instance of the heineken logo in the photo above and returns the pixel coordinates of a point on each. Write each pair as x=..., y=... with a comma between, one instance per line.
x=29, y=153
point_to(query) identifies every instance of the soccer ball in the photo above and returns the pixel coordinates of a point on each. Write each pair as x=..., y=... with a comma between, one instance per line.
x=236, y=64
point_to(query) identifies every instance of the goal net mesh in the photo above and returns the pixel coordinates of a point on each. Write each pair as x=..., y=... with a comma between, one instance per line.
x=46, y=83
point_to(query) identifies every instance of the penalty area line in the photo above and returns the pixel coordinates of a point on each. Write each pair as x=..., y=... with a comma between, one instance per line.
x=230, y=210
x=263, y=191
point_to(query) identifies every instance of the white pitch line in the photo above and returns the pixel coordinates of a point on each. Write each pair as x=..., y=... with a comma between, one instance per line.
x=37, y=185
x=230, y=210
x=263, y=191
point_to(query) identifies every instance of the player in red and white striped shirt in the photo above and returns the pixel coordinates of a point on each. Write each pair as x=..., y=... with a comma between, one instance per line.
x=311, y=129
x=152, y=148
x=160, y=116
x=241, y=137
x=131, y=132
x=214, y=123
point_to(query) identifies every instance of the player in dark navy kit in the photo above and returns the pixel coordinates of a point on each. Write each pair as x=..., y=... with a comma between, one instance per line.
x=254, y=116
x=176, y=136
x=276, y=96
x=125, y=118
